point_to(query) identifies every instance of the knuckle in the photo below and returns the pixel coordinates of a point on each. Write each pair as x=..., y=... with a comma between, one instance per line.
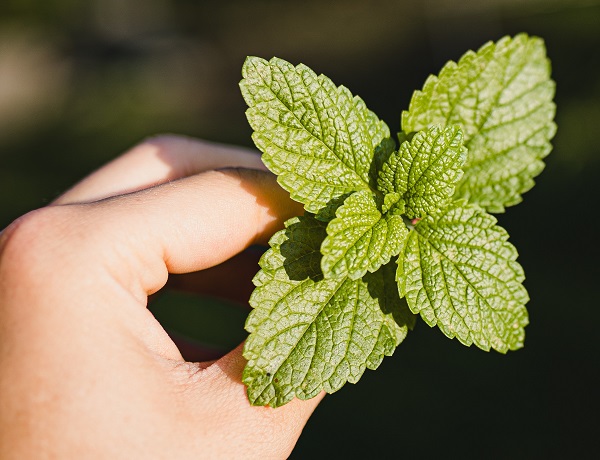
x=33, y=234
x=161, y=144
x=171, y=149
x=163, y=139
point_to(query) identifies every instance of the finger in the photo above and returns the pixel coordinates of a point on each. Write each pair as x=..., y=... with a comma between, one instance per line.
x=183, y=226
x=155, y=161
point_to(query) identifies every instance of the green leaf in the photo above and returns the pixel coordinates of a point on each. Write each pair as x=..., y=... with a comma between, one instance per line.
x=360, y=238
x=460, y=273
x=381, y=155
x=315, y=136
x=308, y=333
x=425, y=170
x=501, y=96
x=384, y=287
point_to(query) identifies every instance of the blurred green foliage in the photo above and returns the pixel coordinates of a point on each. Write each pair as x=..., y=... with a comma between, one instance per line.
x=80, y=82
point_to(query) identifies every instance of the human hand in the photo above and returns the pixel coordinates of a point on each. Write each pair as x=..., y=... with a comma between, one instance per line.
x=85, y=369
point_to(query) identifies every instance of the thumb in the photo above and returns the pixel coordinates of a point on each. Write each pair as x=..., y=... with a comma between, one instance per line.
x=267, y=432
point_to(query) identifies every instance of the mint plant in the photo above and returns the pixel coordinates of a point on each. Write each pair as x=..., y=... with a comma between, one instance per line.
x=392, y=231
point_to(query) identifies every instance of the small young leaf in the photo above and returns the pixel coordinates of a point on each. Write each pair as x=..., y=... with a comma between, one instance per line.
x=360, y=238
x=316, y=136
x=307, y=333
x=460, y=273
x=425, y=170
x=501, y=96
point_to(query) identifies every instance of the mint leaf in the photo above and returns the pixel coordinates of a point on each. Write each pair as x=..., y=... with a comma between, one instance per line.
x=383, y=286
x=381, y=155
x=308, y=333
x=501, y=96
x=425, y=170
x=392, y=234
x=315, y=136
x=360, y=238
x=459, y=272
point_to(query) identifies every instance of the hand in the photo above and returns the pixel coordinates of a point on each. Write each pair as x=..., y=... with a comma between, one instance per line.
x=85, y=369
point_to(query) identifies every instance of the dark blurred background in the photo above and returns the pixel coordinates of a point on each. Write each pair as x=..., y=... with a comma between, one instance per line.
x=81, y=81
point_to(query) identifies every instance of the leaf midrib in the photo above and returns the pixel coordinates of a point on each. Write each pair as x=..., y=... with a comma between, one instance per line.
x=282, y=102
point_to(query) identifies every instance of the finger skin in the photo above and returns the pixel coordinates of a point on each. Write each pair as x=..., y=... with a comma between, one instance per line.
x=86, y=371
x=186, y=225
x=155, y=161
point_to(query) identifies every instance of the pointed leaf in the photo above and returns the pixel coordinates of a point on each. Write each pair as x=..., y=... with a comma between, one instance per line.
x=501, y=96
x=425, y=170
x=315, y=136
x=460, y=273
x=360, y=238
x=307, y=333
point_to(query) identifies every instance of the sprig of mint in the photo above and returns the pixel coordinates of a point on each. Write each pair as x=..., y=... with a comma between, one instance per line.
x=391, y=232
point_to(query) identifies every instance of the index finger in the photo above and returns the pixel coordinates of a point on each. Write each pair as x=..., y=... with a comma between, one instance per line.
x=155, y=161
x=183, y=226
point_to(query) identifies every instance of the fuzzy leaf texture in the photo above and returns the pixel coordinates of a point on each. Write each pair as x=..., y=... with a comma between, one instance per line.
x=391, y=234
x=459, y=272
x=501, y=96
x=361, y=238
x=425, y=170
x=308, y=333
x=318, y=138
